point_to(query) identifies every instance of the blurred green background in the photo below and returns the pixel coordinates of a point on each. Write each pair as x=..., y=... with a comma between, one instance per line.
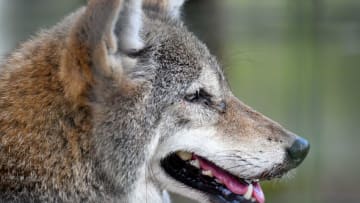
x=297, y=61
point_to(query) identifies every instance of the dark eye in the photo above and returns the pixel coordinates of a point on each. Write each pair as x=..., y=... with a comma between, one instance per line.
x=200, y=96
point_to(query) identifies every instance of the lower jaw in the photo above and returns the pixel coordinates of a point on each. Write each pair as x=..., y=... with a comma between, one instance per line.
x=192, y=176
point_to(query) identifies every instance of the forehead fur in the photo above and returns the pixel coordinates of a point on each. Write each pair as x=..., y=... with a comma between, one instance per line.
x=179, y=56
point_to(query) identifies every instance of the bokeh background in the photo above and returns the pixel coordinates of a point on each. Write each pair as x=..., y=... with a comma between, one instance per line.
x=297, y=61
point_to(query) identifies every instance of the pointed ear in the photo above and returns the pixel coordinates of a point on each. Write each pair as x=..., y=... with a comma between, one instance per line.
x=89, y=57
x=171, y=8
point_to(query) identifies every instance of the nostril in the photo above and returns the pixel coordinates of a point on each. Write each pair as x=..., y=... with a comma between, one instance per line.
x=298, y=151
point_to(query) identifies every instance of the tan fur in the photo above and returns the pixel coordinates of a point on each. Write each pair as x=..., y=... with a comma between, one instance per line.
x=38, y=111
x=241, y=120
x=45, y=116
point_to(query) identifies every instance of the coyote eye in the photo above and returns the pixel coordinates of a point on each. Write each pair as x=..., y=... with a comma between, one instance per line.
x=200, y=96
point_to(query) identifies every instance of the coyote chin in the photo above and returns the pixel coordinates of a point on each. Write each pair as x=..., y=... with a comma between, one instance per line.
x=120, y=102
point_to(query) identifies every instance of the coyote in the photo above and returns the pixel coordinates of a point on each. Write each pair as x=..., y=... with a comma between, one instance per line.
x=121, y=103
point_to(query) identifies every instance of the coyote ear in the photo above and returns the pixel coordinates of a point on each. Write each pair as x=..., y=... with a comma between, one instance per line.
x=172, y=8
x=92, y=43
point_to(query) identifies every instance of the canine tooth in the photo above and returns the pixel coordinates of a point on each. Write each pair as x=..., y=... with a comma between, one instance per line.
x=249, y=192
x=207, y=173
x=195, y=163
x=184, y=155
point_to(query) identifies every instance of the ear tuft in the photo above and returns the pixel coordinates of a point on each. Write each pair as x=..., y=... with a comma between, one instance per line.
x=171, y=8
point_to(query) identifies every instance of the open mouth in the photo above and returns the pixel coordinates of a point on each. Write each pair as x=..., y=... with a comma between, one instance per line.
x=203, y=175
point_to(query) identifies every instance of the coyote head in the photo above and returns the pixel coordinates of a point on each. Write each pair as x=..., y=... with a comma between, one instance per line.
x=164, y=114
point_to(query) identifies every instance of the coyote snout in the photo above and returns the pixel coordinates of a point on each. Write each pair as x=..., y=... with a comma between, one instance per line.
x=229, y=154
x=121, y=103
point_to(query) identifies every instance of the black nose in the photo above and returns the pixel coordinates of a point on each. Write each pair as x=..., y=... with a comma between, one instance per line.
x=298, y=151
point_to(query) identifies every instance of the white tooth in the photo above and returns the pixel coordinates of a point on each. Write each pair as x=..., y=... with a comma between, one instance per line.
x=195, y=163
x=184, y=155
x=249, y=192
x=207, y=173
x=253, y=199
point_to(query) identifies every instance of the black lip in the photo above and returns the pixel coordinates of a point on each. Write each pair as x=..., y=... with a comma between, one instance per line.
x=191, y=176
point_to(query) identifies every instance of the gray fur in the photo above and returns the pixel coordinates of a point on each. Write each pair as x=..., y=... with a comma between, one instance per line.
x=173, y=55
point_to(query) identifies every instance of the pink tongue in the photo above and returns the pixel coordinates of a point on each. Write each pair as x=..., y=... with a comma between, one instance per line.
x=230, y=182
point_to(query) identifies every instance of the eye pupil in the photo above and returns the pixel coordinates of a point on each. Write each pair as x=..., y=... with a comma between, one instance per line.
x=207, y=103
